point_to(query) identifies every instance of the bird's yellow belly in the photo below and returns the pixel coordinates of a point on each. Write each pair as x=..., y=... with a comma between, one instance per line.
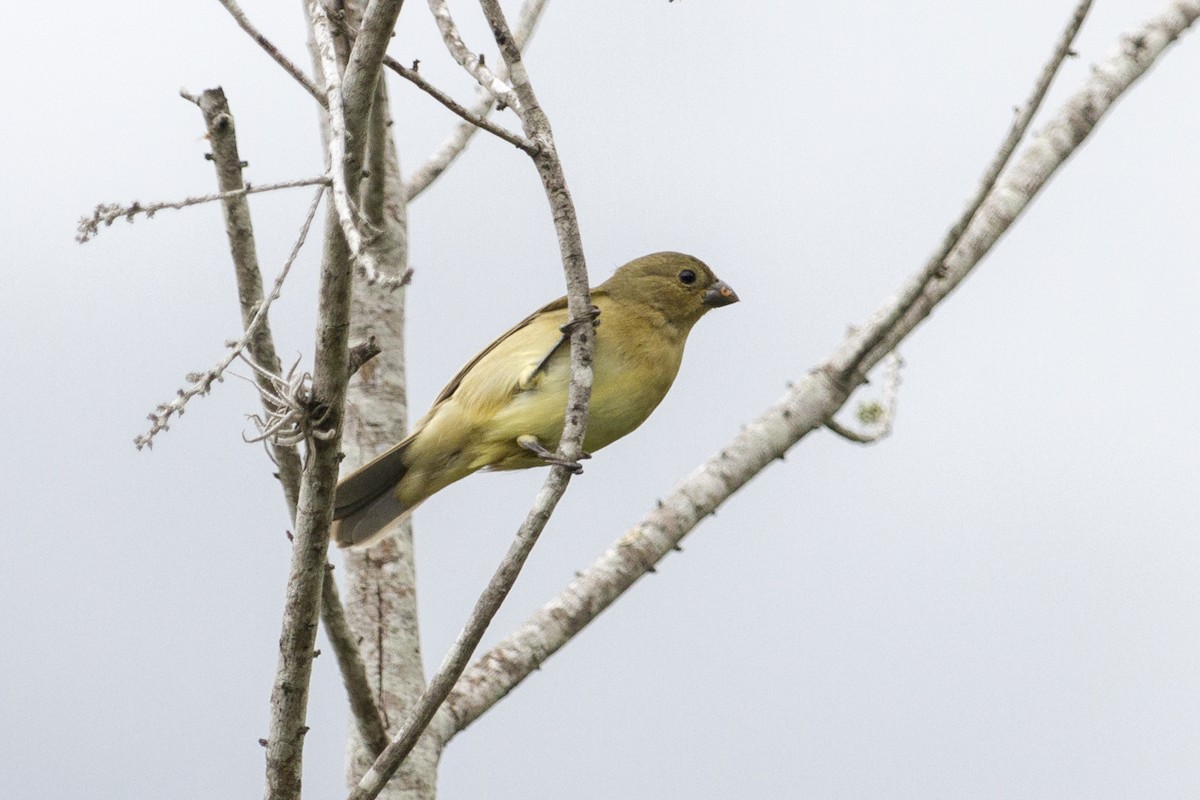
x=619, y=404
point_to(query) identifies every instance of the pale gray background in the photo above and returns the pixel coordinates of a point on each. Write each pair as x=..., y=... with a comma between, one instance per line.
x=999, y=601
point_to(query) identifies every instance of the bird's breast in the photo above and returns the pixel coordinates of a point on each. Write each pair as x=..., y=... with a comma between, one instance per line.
x=632, y=370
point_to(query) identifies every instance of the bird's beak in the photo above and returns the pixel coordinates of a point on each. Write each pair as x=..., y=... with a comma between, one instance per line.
x=719, y=293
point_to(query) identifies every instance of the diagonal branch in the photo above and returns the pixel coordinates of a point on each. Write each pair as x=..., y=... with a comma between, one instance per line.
x=349, y=108
x=363, y=707
x=1024, y=116
x=473, y=64
x=811, y=402
x=449, y=102
x=289, y=67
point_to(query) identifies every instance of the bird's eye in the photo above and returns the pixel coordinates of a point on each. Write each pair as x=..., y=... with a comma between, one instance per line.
x=687, y=277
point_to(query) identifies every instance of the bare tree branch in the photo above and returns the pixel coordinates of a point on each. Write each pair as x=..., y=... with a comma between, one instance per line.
x=460, y=653
x=288, y=66
x=306, y=574
x=108, y=213
x=381, y=604
x=811, y=402
x=222, y=133
x=349, y=107
x=381, y=580
x=363, y=706
x=413, y=76
x=457, y=141
x=365, y=62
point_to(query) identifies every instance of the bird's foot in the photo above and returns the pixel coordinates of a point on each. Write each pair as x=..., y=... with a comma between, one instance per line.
x=532, y=444
x=592, y=315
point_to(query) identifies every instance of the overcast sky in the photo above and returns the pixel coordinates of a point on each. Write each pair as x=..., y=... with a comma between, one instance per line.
x=1001, y=600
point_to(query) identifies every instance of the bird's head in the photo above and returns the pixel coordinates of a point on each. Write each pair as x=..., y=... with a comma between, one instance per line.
x=680, y=287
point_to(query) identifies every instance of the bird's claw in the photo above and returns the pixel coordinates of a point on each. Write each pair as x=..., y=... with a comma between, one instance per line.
x=553, y=460
x=592, y=315
x=531, y=444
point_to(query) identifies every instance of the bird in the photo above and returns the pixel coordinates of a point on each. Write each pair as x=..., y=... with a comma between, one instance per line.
x=505, y=408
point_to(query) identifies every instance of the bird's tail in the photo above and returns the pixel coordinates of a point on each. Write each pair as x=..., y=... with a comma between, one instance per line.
x=365, y=506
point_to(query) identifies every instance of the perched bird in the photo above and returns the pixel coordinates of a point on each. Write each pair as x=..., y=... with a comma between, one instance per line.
x=505, y=408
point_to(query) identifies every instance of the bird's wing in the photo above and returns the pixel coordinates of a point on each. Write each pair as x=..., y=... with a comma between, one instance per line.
x=533, y=341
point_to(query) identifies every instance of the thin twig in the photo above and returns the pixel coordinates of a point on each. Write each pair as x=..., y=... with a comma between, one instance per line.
x=108, y=213
x=904, y=302
x=201, y=383
x=290, y=68
x=417, y=80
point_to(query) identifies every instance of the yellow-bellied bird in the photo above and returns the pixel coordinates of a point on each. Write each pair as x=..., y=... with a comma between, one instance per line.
x=505, y=408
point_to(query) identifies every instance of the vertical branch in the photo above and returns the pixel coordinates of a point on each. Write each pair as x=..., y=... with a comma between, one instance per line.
x=289, y=694
x=347, y=122
x=381, y=581
x=344, y=169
